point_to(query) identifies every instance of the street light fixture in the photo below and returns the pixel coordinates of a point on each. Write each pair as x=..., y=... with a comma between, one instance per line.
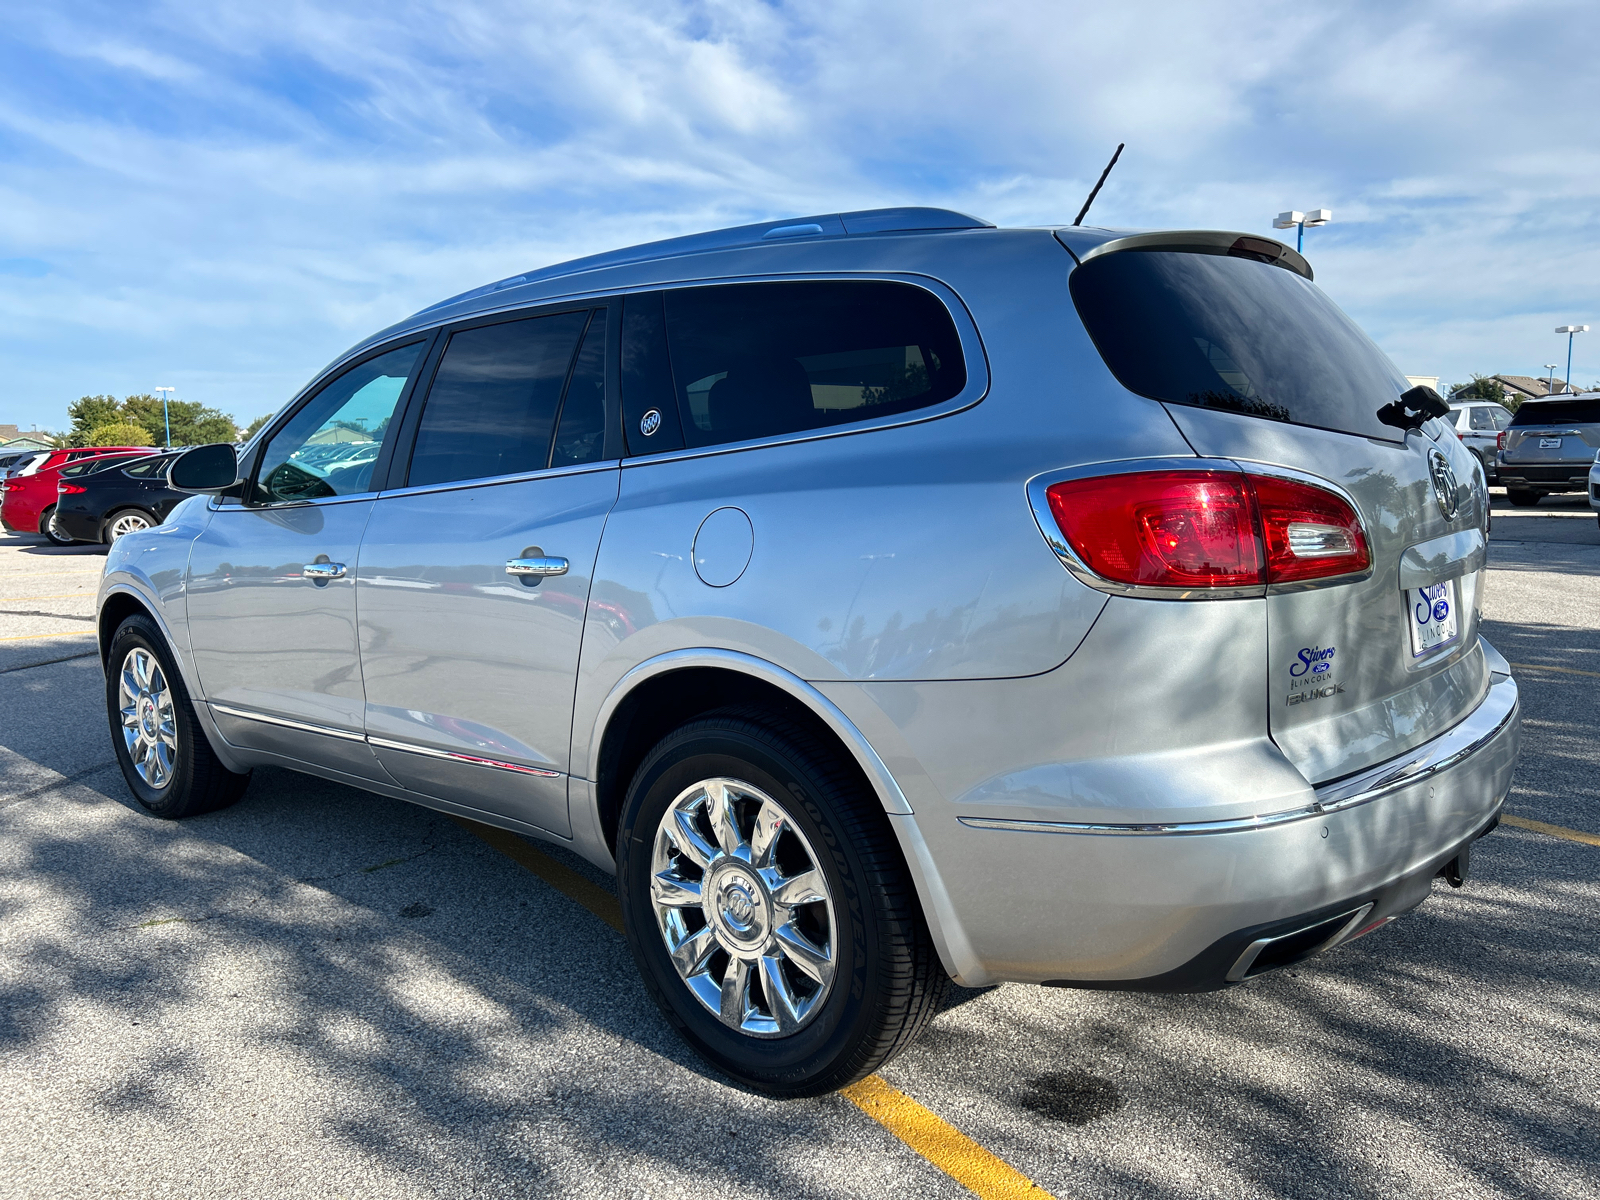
x=1570, y=330
x=1294, y=219
x=1550, y=383
x=165, y=419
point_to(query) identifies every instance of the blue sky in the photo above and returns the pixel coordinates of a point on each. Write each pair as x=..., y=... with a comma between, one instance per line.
x=222, y=197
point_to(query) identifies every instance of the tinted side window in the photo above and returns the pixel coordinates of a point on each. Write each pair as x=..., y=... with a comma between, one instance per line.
x=580, y=437
x=492, y=407
x=95, y=464
x=1482, y=418
x=148, y=468
x=1221, y=332
x=329, y=446
x=755, y=360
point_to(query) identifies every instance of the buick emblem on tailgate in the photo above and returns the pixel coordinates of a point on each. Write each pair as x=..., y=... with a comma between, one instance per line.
x=1445, y=489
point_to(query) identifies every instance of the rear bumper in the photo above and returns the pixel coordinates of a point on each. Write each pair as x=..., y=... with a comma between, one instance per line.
x=80, y=526
x=1170, y=907
x=1558, y=477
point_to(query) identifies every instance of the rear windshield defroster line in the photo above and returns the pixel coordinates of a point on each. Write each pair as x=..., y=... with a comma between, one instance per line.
x=1223, y=332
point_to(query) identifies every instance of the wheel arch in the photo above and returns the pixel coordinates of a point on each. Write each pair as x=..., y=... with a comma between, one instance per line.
x=664, y=692
x=659, y=695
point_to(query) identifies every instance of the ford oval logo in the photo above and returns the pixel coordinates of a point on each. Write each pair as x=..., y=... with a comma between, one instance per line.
x=650, y=422
x=1445, y=489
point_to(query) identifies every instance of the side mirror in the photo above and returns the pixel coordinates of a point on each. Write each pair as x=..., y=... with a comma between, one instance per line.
x=204, y=469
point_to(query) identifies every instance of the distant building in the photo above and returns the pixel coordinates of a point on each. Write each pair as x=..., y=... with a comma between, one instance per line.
x=12, y=438
x=1526, y=387
x=1423, y=381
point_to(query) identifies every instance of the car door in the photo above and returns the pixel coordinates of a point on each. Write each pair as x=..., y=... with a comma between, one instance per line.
x=271, y=588
x=474, y=575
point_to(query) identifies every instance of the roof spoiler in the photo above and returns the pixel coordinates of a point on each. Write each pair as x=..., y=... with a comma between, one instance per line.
x=1202, y=241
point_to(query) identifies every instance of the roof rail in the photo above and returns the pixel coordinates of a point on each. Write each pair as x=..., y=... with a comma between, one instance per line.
x=830, y=225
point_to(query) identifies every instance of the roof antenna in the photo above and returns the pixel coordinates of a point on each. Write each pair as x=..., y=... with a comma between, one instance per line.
x=1084, y=211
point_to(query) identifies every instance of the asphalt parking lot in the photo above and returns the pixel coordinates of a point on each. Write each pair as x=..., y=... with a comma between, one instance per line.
x=323, y=993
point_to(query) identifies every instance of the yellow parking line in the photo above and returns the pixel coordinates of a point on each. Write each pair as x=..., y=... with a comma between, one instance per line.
x=1563, y=670
x=941, y=1143
x=1560, y=831
x=63, y=596
x=31, y=637
x=931, y=1136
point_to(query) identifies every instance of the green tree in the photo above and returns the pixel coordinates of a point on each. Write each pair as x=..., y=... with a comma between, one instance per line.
x=88, y=413
x=120, y=433
x=1482, y=387
x=193, y=424
x=255, y=425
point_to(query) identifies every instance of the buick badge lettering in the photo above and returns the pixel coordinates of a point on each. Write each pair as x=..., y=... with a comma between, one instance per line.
x=1445, y=489
x=651, y=422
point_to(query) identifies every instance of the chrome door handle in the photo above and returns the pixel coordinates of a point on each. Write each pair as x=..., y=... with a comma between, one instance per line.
x=321, y=571
x=539, y=568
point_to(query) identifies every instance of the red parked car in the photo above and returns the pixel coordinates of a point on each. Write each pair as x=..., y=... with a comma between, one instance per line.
x=29, y=500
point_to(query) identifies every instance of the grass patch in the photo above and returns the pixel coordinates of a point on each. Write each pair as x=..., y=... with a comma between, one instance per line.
x=161, y=921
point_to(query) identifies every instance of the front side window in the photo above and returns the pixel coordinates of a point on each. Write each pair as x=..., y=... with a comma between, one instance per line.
x=330, y=446
x=495, y=399
x=1215, y=331
x=1483, y=419
x=757, y=360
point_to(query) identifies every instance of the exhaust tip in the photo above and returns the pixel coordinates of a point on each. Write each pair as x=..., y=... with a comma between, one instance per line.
x=1268, y=954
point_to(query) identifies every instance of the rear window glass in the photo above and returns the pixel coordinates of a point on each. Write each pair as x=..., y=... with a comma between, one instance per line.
x=1558, y=412
x=149, y=467
x=1216, y=331
x=90, y=466
x=761, y=359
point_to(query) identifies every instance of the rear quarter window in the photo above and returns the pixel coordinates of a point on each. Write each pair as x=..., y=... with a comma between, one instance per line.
x=1216, y=331
x=754, y=360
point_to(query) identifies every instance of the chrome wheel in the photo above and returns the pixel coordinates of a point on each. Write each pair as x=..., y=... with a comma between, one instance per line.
x=743, y=907
x=149, y=729
x=130, y=522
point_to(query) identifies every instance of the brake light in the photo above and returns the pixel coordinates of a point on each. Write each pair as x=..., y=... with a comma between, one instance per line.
x=69, y=489
x=1500, y=440
x=1176, y=529
x=1198, y=529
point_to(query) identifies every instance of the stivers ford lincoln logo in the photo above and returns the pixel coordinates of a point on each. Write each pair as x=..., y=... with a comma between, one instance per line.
x=1444, y=483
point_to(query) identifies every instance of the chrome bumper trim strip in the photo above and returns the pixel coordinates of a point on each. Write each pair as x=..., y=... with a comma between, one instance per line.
x=1445, y=751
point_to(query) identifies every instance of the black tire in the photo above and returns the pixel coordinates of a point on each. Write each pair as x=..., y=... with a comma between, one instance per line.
x=198, y=781
x=888, y=980
x=1522, y=499
x=46, y=527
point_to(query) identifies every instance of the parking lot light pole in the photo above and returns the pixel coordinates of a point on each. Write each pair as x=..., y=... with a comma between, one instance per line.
x=1295, y=219
x=1550, y=383
x=1570, y=331
x=165, y=419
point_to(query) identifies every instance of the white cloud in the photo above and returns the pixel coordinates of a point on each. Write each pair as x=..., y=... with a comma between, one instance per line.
x=228, y=195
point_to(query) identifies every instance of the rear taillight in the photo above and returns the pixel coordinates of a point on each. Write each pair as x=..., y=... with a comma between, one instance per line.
x=69, y=489
x=1197, y=530
x=1500, y=440
x=1176, y=529
x=1310, y=532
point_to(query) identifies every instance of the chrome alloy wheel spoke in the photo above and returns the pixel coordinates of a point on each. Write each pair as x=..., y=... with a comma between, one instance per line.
x=149, y=721
x=743, y=908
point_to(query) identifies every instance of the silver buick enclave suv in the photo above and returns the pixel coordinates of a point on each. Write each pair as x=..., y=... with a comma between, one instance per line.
x=886, y=597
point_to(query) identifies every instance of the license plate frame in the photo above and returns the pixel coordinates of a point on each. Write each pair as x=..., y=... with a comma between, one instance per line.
x=1433, y=629
x=1550, y=443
